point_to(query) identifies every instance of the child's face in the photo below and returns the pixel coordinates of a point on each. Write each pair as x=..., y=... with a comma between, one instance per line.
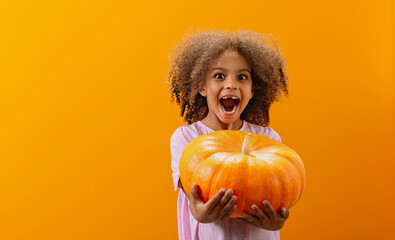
x=228, y=87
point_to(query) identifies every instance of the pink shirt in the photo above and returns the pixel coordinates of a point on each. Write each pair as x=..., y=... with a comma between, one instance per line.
x=188, y=227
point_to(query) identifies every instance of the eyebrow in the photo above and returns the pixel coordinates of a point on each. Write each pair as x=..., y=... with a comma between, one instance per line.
x=223, y=69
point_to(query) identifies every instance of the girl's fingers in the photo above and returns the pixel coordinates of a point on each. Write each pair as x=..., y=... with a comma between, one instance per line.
x=261, y=215
x=285, y=213
x=224, y=200
x=214, y=200
x=194, y=193
x=270, y=211
x=226, y=197
x=228, y=207
x=230, y=211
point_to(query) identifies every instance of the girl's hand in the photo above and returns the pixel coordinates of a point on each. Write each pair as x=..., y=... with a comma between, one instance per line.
x=270, y=221
x=218, y=208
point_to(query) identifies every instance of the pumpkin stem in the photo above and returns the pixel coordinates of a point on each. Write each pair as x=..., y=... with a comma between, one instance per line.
x=246, y=144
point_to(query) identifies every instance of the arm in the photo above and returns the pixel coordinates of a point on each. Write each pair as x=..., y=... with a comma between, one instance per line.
x=218, y=208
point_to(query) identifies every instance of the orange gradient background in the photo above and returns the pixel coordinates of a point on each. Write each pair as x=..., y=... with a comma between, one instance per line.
x=86, y=117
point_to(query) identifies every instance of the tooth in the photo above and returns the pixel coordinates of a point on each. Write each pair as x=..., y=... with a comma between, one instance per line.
x=225, y=98
x=234, y=97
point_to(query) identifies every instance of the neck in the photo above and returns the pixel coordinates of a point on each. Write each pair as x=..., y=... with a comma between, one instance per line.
x=219, y=125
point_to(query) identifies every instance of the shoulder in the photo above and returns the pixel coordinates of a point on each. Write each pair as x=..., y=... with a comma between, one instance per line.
x=268, y=131
x=185, y=133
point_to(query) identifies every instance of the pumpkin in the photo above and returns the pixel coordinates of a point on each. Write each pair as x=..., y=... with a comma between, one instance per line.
x=254, y=166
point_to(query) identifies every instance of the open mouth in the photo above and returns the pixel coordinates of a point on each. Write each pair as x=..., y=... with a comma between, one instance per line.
x=229, y=103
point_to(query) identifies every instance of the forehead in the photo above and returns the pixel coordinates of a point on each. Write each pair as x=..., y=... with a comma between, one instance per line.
x=231, y=59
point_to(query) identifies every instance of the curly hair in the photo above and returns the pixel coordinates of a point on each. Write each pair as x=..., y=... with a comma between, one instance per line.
x=191, y=58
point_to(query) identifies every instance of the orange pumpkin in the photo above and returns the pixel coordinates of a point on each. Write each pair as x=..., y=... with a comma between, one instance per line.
x=254, y=166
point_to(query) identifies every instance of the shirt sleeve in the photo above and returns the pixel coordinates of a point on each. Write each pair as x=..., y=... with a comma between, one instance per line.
x=178, y=142
x=274, y=135
x=277, y=138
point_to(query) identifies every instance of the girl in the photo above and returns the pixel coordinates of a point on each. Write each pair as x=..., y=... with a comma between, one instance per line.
x=224, y=81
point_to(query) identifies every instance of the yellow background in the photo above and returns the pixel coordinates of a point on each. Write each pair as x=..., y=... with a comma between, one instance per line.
x=86, y=118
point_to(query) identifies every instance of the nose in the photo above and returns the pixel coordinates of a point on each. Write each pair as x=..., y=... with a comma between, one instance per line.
x=231, y=83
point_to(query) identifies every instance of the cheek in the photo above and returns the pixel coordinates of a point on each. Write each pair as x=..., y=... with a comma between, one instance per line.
x=245, y=102
x=211, y=99
x=248, y=92
x=213, y=94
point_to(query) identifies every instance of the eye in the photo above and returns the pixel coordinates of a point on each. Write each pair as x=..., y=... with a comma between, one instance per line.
x=243, y=77
x=219, y=74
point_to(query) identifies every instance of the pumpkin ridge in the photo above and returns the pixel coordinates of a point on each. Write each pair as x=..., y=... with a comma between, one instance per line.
x=196, y=170
x=289, y=158
x=245, y=185
x=281, y=187
x=300, y=176
x=228, y=139
x=272, y=194
x=227, y=161
x=215, y=171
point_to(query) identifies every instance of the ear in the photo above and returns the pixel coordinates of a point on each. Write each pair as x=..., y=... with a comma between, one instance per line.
x=203, y=92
